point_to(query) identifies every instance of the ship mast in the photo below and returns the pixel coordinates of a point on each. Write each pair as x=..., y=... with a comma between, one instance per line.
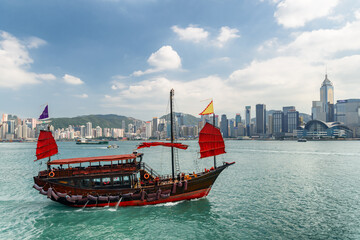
x=214, y=126
x=172, y=133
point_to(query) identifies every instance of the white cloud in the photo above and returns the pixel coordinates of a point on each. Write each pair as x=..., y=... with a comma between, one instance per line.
x=164, y=59
x=15, y=62
x=72, y=80
x=84, y=95
x=35, y=42
x=324, y=44
x=226, y=34
x=296, y=13
x=191, y=33
x=47, y=76
x=197, y=35
x=152, y=95
x=117, y=85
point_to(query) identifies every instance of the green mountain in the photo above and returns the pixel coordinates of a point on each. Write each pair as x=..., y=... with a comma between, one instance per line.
x=104, y=121
x=188, y=119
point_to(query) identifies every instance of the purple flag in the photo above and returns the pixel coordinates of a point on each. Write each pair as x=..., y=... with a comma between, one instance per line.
x=45, y=113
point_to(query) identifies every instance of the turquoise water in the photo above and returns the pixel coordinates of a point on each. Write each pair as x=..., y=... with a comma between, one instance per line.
x=276, y=189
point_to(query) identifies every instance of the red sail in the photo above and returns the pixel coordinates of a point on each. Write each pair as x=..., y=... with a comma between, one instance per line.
x=152, y=144
x=210, y=141
x=46, y=145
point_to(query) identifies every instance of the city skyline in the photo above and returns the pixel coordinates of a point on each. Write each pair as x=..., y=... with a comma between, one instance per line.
x=123, y=57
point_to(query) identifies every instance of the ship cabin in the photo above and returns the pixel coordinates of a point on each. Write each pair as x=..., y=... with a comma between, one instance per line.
x=110, y=172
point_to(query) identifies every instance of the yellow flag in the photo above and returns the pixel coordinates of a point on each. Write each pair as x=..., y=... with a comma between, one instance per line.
x=208, y=110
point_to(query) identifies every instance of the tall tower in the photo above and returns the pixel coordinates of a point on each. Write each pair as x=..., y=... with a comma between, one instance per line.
x=261, y=118
x=327, y=99
x=224, y=126
x=247, y=120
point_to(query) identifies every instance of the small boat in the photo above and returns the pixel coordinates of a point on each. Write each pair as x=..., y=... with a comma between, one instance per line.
x=125, y=180
x=85, y=141
x=112, y=146
x=302, y=140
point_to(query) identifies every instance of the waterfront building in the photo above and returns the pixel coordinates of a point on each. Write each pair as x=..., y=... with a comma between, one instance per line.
x=154, y=127
x=237, y=119
x=98, y=131
x=148, y=129
x=285, y=122
x=292, y=121
x=224, y=126
x=278, y=122
x=88, y=130
x=261, y=119
x=348, y=112
x=323, y=110
x=248, y=120
x=231, y=128
x=327, y=99
x=317, y=129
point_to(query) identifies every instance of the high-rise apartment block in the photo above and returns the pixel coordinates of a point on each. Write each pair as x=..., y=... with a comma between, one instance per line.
x=260, y=119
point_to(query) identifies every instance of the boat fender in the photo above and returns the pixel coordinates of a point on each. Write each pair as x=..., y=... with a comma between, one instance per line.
x=174, y=188
x=185, y=185
x=51, y=174
x=136, y=196
x=76, y=197
x=61, y=194
x=166, y=191
x=142, y=195
x=151, y=195
x=212, y=168
x=43, y=192
x=114, y=198
x=92, y=198
x=49, y=191
x=69, y=199
x=146, y=176
x=53, y=194
x=37, y=187
x=165, y=195
x=158, y=194
x=127, y=195
x=151, y=199
x=180, y=184
x=103, y=198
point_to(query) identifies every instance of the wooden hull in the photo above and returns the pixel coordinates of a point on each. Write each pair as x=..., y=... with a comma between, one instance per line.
x=148, y=195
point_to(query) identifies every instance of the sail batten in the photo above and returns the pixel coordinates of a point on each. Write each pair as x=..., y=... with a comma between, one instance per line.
x=46, y=145
x=210, y=141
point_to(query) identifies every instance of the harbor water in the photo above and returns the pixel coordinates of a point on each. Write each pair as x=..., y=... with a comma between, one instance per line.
x=276, y=190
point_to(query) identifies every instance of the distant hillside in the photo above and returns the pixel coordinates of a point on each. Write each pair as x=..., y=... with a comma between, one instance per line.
x=103, y=121
x=189, y=120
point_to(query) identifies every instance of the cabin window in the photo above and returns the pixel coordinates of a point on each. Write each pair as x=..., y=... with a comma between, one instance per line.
x=126, y=180
x=106, y=181
x=117, y=181
x=97, y=182
x=85, y=183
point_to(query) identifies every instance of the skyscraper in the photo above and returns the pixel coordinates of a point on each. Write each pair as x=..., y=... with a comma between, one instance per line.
x=285, y=122
x=278, y=122
x=260, y=118
x=327, y=99
x=247, y=120
x=154, y=126
x=224, y=126
x=237, y=119
x=89, y=130
x=324, y=109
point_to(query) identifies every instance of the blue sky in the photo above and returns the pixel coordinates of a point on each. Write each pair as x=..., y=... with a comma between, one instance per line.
x=124, y=56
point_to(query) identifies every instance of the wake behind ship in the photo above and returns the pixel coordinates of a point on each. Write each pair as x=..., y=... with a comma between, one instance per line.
x=125, y=180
